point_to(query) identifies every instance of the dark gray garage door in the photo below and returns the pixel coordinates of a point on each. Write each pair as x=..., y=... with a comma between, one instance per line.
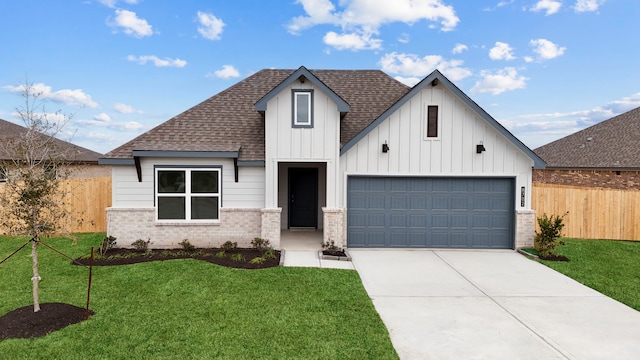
x=430, y=212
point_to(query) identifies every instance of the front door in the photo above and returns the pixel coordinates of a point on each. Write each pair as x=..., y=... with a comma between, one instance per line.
x=303, y=197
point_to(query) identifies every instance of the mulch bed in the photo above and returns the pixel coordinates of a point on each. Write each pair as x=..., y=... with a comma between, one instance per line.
x=115, y=257
x=23, y=323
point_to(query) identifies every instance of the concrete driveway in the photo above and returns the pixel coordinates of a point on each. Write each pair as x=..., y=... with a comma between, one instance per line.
x=492, y=305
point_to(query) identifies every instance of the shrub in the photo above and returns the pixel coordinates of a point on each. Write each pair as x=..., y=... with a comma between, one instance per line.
x=546, y=240
x=220, y=254
x=269, y=253
x=238, y=258
x=331, y=245
x=230, y=245
x=258, y=260
x=186, y=245
x=141, y=245
x=260, y=244
x=109, y=242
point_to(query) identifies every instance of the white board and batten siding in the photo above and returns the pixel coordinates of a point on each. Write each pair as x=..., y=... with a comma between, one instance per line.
x=127, y=192
x=285, y=143
x=452, y=153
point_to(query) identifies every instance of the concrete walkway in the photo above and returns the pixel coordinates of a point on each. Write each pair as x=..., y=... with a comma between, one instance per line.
x=310, y=258
x=492, y=305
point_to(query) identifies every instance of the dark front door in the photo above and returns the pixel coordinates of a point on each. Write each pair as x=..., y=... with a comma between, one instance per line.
x=303, y=197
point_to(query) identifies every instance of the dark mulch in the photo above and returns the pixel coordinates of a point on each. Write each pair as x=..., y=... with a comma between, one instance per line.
x=129, y=256
x=554, y=257
x=23, y=323
x=334, y=253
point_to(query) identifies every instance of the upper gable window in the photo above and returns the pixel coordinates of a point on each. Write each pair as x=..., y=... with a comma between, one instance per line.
x=302, y=108
x=432, y=122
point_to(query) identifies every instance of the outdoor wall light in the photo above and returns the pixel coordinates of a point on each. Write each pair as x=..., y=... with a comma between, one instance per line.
x=385, y=147
x=480, y=148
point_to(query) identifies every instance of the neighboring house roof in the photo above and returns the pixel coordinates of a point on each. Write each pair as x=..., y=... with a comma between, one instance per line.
x=232, y=121
x=10, y=131
x=610, y=144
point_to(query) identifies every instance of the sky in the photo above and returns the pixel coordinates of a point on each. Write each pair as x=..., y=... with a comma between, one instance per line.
x=114, y=69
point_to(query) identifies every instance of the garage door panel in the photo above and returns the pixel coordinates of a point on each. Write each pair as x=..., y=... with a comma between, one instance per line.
x=430, y=212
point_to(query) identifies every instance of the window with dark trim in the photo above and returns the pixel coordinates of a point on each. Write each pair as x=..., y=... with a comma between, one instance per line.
x=302, y=111
x=432, y=121
x=188, y=194
x=4, y=174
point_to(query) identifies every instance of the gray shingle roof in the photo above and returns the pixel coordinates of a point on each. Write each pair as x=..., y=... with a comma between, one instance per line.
x=611, y=144
x=10, y=131
x=228, y=121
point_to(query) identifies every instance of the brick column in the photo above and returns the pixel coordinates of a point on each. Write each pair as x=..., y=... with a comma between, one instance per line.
x=525, y=228
x=335, y=221
x=271, y=226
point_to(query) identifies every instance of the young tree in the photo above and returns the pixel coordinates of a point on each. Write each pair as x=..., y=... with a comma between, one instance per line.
x=35, y=162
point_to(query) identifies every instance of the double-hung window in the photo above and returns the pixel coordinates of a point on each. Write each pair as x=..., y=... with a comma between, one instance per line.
x=188, y=194
x=302, y=108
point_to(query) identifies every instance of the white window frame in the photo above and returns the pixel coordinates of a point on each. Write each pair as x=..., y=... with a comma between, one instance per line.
x=309, y=120
x=187, y=195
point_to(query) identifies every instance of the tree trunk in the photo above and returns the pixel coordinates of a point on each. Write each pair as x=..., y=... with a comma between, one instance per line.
x=36, y=277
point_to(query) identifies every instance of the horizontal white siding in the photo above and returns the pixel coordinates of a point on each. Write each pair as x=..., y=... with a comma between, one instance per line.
x=127, y=192
x=453, y=153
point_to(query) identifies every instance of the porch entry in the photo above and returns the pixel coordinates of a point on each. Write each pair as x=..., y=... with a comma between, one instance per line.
x=303, y=198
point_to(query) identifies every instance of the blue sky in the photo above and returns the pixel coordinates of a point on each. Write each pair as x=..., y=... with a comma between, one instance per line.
x=542, y=68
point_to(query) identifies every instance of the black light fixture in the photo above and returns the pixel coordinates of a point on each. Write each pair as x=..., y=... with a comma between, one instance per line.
x=385, y=147
x=480, y=148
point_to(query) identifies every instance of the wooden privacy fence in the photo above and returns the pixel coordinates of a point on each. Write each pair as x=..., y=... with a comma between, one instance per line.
x=87, y=201
x=594, y=213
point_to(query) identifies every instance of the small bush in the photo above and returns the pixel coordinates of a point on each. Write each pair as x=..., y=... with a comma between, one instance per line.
x=166, y=253
x=109, y=242
x=331, y=245
x=269, y=253
x=258, y=260
x=229, y=245
x=141, y=245
x=260, y=244
x=220, y=254
x=238, y=258
x=546, y=240
x=186, y=245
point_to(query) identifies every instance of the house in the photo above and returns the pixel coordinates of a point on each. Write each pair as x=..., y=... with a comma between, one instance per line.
x=83, y=161
x=605, y=155
x=355, y=153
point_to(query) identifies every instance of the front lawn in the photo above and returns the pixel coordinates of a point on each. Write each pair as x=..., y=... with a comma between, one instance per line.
x=611, y=267
x=181, y=309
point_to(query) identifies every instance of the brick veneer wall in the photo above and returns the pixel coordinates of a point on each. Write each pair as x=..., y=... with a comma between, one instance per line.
x=589, y=178
x=129, y=225
x=525, y=228
x=335, y=226
x=270, y=226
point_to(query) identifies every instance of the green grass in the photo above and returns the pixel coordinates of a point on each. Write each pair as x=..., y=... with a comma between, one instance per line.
x=611, y=267
x=193, y=309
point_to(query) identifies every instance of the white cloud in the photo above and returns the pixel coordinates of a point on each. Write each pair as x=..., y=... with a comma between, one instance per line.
x=409, y=81
x=404, y=38
x=103, y=120
x=546, y=50
x=125, y=109
x=409, y=66
x=112, y=3
x=550, y=6
x=501, y=51
x=102, y=117
x=166, y=62
x=506, y=79
x=587, y=5
x=459, y=48
x=361, y=19
x=227, y=72
x=64, y=96
x=131, y=24
x=210, y=26
x=352, y=41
